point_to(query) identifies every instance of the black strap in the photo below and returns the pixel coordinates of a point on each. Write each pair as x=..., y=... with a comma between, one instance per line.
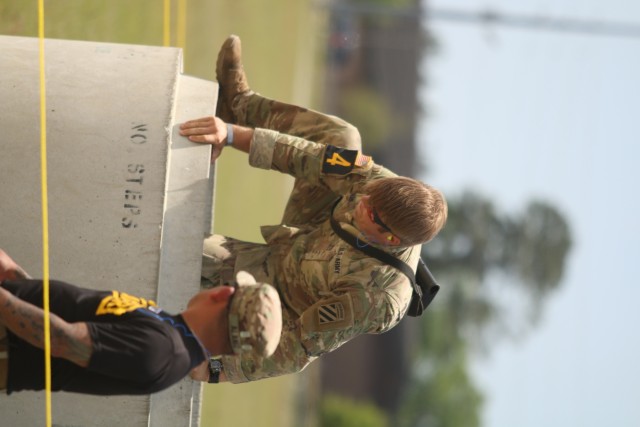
x=215, y=367
x=424, y=288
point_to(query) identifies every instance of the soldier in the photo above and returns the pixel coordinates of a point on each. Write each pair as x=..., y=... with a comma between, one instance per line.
x=112, y=343
x=331, y=291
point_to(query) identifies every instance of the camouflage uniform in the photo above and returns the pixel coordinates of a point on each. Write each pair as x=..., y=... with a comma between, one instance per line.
x=330, y=292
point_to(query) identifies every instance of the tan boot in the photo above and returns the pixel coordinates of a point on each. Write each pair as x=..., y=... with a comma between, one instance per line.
x=231, y=78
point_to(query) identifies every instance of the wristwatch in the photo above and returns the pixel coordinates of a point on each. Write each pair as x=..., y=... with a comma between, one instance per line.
x=215, y=367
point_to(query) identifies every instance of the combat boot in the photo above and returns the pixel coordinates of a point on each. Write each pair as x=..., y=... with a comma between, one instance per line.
x=231, y=78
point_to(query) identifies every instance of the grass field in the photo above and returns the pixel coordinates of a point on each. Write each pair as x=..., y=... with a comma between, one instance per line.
x=282, y=46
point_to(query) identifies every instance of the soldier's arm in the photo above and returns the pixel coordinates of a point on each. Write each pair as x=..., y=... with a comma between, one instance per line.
x=70, y=341
x=290, y=357
x=315, y=162
x=357, y=307
x=201, y=373
x=322, y=328
x=319, y=164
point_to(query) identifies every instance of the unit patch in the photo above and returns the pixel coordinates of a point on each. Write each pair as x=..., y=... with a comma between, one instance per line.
x=338, y=161
x=330, y=313
x=119, y=303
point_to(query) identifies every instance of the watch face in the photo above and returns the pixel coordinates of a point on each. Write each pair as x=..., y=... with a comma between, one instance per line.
x=215, y=367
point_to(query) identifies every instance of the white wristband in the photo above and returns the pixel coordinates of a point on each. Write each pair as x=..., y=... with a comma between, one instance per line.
x=229, y=134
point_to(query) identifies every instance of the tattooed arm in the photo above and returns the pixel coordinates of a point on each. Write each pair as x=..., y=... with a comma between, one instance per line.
x=70, y=341
x=9, y=270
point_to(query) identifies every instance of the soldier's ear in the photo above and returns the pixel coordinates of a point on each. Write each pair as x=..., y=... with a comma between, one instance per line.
x=393, y=240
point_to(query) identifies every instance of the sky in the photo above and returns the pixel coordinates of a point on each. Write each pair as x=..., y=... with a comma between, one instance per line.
x=520, y=114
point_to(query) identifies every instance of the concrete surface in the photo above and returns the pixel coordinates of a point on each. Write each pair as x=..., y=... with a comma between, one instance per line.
x=129, y=199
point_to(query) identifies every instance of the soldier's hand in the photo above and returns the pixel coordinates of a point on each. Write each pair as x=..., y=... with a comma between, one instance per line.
x=9, y=270
x=207, y=130
x=200, y=372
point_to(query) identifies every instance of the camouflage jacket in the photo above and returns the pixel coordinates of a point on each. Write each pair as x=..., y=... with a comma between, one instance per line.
x=330, y=291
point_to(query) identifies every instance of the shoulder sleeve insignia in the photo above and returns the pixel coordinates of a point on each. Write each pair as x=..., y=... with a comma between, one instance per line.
x=333, y=314
x=338, y=161
x=330, y=313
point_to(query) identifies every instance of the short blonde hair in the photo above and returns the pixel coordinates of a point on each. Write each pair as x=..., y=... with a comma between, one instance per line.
x=414, y=211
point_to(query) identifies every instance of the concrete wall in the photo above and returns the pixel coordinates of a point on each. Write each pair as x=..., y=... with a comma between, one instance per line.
x=129, y=199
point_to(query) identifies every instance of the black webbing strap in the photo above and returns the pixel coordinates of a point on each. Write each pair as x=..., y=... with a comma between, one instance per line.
x=424, y=288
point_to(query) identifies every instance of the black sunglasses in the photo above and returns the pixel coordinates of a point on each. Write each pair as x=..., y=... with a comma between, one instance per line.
x=377, y=220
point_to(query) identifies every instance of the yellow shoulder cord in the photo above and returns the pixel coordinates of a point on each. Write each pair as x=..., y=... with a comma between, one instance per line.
x=45, y=215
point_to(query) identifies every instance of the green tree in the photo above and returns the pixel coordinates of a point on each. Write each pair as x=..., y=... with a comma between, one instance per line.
x=479, y=243
x=385, y=3
x=528, y=250
x=442, y=392
x=369, y=112
x=338, y=411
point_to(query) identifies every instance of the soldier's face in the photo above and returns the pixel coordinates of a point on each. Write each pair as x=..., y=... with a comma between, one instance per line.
x=369, y=223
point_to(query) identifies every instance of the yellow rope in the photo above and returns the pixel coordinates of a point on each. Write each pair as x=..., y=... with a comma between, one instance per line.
x=182, y=24
x=166, y=39
x=181, y=38
x=45, y=214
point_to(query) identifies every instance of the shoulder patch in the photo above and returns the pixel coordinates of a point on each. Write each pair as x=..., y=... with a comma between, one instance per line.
x=119, y=303
x=363, y=161
x=338, y=161
x=331, y=314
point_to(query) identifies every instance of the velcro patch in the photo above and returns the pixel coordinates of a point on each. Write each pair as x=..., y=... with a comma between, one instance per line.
x=363, y=160
x=331, y=314
x=338, y=161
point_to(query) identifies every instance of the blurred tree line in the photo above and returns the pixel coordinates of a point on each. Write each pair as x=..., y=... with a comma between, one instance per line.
x=497, y=269
x=480, y=255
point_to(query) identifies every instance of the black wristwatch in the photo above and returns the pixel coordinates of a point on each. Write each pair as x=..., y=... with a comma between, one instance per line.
x=215, y=367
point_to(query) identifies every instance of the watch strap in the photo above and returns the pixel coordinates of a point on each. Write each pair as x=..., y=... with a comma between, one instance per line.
x=215, y=367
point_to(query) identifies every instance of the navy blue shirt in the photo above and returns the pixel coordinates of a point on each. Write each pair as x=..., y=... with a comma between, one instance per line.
x=137, y=347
